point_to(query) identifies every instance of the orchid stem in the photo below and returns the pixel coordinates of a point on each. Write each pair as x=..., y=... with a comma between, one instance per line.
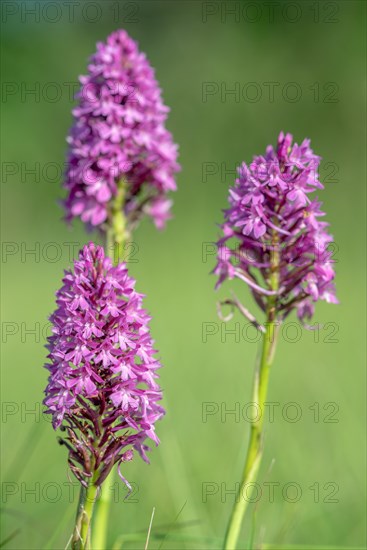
x=117, y=234
x=254, y=452
x=116, y=238
x=82, y=532
x=260, y=389
x=102, y=514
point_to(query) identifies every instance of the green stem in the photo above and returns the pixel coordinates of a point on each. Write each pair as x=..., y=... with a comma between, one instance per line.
x=260, y=389
x=82, y=532
x=102, y=514
x=254, y=451
x=117, y=233
x=116, y=238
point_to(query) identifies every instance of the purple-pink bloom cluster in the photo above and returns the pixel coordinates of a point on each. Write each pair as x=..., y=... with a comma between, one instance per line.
x=119, y=135
x=102, y=385
x=273, y=226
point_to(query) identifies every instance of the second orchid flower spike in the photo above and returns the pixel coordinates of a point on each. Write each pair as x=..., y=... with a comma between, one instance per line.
x=122, y=160
x=102, y=389
x=274, y=242
x=273, y=238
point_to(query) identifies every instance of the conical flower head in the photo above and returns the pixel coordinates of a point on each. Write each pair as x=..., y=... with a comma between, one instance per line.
x=102, y=386
x=273, y=229
x=119, y=139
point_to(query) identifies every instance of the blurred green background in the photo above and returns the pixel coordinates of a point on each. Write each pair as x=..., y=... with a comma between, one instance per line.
x=311, y=54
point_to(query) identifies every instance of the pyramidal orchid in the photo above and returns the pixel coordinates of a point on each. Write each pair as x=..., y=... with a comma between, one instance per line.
x=102, y=390
x=274, y=240
x=122, y=160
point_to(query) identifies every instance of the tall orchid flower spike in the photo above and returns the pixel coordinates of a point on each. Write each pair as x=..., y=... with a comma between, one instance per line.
x=122, y=160
x=275, y=242
x=102, y=390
